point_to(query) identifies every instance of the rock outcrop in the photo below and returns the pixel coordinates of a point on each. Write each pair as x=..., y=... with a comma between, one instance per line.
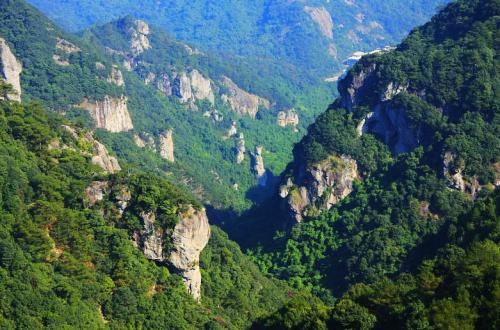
x=182, y=88
x=66, y=46
x=240, y=149
x=387, y=120
x=116, y=77
x=139, y=41
x=232, y=131
x=95, y=192
x=258, y=166
x=100, y=155
x=322, y=18
x=189, y=238
x=110, y=114
x=201, y=87
x=242, y=102
x=288, y=118
x=11, y=70
x=145, y=140
x=393, y=126
x=319, y=187
x=164, y=85
x=167, y=145
x=193, y=86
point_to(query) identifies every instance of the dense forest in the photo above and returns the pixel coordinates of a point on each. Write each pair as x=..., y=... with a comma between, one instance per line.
x=386, y=218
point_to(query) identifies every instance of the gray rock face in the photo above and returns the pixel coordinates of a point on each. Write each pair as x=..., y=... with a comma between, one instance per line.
x=189, y=238
x=393, y=126
x=240, y=149
x=351, y=94
x=182, y=88
x=258, y=166
x=322, y=18
x=242, y=102
x=167, y=145
x=11, y=70
x=152, y=238
x=319, y=187
x=145, y=140
x=453, y=172
x=110, y=114
x=100, y=155
x=192, y=87
x=139, y=41
x=385, y=120
x=164, y=85
x=201, y=87
x=116, y=77
x=95, y=192
x=288, y=118
x=66, y=46
x=232, y=131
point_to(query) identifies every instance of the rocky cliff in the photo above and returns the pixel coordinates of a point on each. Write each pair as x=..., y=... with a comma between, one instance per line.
x=242, y=102
x=240, y=149
x=167, y=145
x=11, y=70
x=139, y=41
x=110, y=114
x=99, y=154
x=116, y=77
x=386, y=119
x=322, y=18
x=319, y=187
x=189, y=238
x=178, y=247
x=288, y=118
x=191, y=87
x=258, y=166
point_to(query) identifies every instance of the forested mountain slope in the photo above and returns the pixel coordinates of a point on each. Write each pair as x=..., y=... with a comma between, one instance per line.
x=311, y=35
x=177, y=112
x=394, y=186
x=75, y=241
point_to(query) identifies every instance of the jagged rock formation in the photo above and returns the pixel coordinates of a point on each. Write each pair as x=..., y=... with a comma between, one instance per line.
x=192, y=87
x=258, y=166
x=288, y=118
x=319, y=187
x=95, y=192
x=232, y=131
x=11, y=70
x=240, y=149
x=110, y=114
x=322, y=17
x=116, y=77
x=242, y=102
x=67, y=46
x=182, y=88
x=167, y=145
x=151, y=238
x=385, y=120
x=59, y=61
x=164, y=85
x=100, y=155
x=139, y=41
x=214, y=114
x=201, y=87
x=145, y=140
x=189, y=238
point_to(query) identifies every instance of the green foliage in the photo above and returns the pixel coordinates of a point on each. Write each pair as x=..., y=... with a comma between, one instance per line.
x=64, y=265
x=403, y=250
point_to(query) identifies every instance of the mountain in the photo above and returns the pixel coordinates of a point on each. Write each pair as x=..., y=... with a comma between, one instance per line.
x=392, y=198
x=86, y=239
x=310, y=35
x=177, y=112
